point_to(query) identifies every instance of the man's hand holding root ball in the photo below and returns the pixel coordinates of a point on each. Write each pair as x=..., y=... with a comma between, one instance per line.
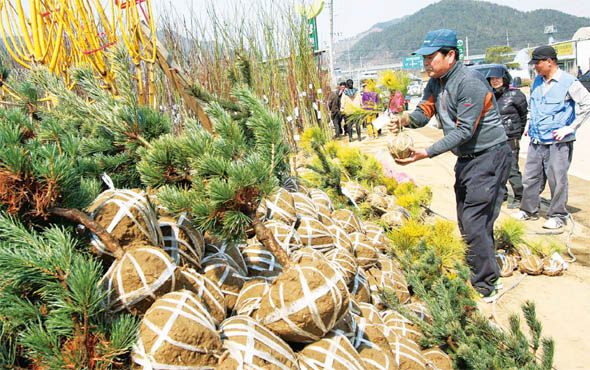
x=416, y=155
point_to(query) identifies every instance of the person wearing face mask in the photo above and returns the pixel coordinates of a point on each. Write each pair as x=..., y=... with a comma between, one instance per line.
x=464, y=104
x=513, y=106
x=559, y=105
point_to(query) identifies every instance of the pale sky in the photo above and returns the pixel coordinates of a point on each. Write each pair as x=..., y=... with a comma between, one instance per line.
x=355, y=16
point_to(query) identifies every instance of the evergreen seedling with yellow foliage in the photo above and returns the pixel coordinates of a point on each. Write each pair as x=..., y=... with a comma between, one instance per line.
x=447, y=244
x=412, y=198
x=544, y=247
x=509, y=233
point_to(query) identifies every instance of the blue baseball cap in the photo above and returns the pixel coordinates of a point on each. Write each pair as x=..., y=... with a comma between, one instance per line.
x=435, y=40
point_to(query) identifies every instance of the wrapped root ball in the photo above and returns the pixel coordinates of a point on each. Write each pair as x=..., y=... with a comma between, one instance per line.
x=400, y=325
x=250, y=296
x=553, y=267
x=371, y=313
x=176, y=332
x=332, y=352
x=325, y=215
x=394, y=218
x=295, y=185
x=304, y=205
x=390, y=283
x=373, y=347
x=344, y=262
x=377, y=202
x=261, y=262
x=364, y=251
x=399, y=146
x=304, y=302
x=376, y=236
x=252, y=346
x=208, y=291
x=220, y=270
x=319, y=197
x=390, y=266
x=182, y=241
x=407, y=353
x=354, y=191
x=285, y=235
x=341, y=238
x=280, y=206
x=381, y=189
x=128, y=216
x=531, y=265
x=314, y=234
x=436, y=359
x=143, y=274
x=308, y=255
x=421, y=312
x=230, y=250
x=348, y=221
x=359, y=288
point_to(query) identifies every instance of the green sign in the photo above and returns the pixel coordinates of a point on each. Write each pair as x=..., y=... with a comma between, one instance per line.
x=313, y=33
x=412, y=62
x=461, y=49
x=310, y=13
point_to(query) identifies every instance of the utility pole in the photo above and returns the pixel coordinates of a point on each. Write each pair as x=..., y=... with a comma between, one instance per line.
x=331, y=40
x=507, y=41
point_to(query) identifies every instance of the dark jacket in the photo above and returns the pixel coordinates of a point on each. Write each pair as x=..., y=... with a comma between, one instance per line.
x=465, y=106
x=334, y=103
x=513, y=109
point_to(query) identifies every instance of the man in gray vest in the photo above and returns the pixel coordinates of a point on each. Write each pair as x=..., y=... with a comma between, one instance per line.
x=553, y=122
x=464, y=104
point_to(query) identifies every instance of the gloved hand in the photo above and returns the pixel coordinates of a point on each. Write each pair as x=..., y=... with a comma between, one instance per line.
x=561, y=133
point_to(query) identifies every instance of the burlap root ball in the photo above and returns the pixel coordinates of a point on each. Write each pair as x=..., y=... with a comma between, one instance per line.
x=376, y=236
x=341, y=238
x=348, y=221
x=377, y=202
x=371, y=313
x=261, y=262
x=250, y=296
x=359, y=287
x=325, y=215
x=523, y=250
x=285, y=235
x=230, y=250
x=279, y=206
x=304, y=205
x=332, y=352
x=220, y=269
x=506, y=263
x=319, y=197
x=354, y=191
x=344, y=262
x=390, y=283
x=400, y=325
x=532, y=265
x=253, y=346
x=135, y=281
x=553, y=267
x=182, y=241
x=373, y=347
x=407, y=353
x=314, y=234
x=420, y=310
x=399, y=146
x=393, y=218
x=177, y=333
x=209, y=292
x=436, y=359
x=128, y=216
x=364, y=251
x=304, y=302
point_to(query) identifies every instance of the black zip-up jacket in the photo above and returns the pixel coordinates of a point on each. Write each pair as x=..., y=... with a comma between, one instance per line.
x=465, y=106
x=513, y=109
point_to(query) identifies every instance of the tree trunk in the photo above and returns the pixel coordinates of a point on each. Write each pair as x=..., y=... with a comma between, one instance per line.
x=268, y=240
x=78, y=216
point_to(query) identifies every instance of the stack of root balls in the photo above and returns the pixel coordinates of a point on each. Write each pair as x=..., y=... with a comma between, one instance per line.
x=521, y=258
x=209, y=304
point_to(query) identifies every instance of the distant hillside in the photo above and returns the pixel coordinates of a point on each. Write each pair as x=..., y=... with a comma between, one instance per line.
x=485, y=24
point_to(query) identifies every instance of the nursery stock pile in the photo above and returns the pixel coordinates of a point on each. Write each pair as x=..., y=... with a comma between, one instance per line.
x=126, y=244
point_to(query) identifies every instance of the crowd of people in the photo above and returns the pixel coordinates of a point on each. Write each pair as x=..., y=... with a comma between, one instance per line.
x=483, y=120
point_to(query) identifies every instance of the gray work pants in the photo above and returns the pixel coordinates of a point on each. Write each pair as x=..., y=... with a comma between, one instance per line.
x=552, y=162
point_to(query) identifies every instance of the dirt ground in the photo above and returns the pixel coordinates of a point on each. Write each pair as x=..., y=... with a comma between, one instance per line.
x=562, y=302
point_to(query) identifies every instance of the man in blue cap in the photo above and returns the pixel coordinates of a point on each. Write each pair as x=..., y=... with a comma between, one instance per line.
x=465, y=106
x=554, y=119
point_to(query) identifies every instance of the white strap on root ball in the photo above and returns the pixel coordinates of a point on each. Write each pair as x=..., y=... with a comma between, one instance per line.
x=364, y=251
x=332, y=352
x=134, y=282
x=182, y=241
x=376, y=236
x=406, y=352
x=279, y=206
x=314, y=234
x=348, y=221
x=210, y=294
x=359, y=288
x=344, y=262
x=285, y=235
x=436, y=359
x=325, y=215
x=177, y=333
x=373, y=347
x=221, y=269
x=341, y=238
x=399, y=146
x=305, y=205
x=260, y=261
x=128, y=216
x=318, y=196
x=250, y=297
x=304, y=302
x=400, y=325
x=251, y=344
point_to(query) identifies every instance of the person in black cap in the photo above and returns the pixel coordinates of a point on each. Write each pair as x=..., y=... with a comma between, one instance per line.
x=554, y=119
x=334, y=107
x=464, y=104
x=513, y=105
